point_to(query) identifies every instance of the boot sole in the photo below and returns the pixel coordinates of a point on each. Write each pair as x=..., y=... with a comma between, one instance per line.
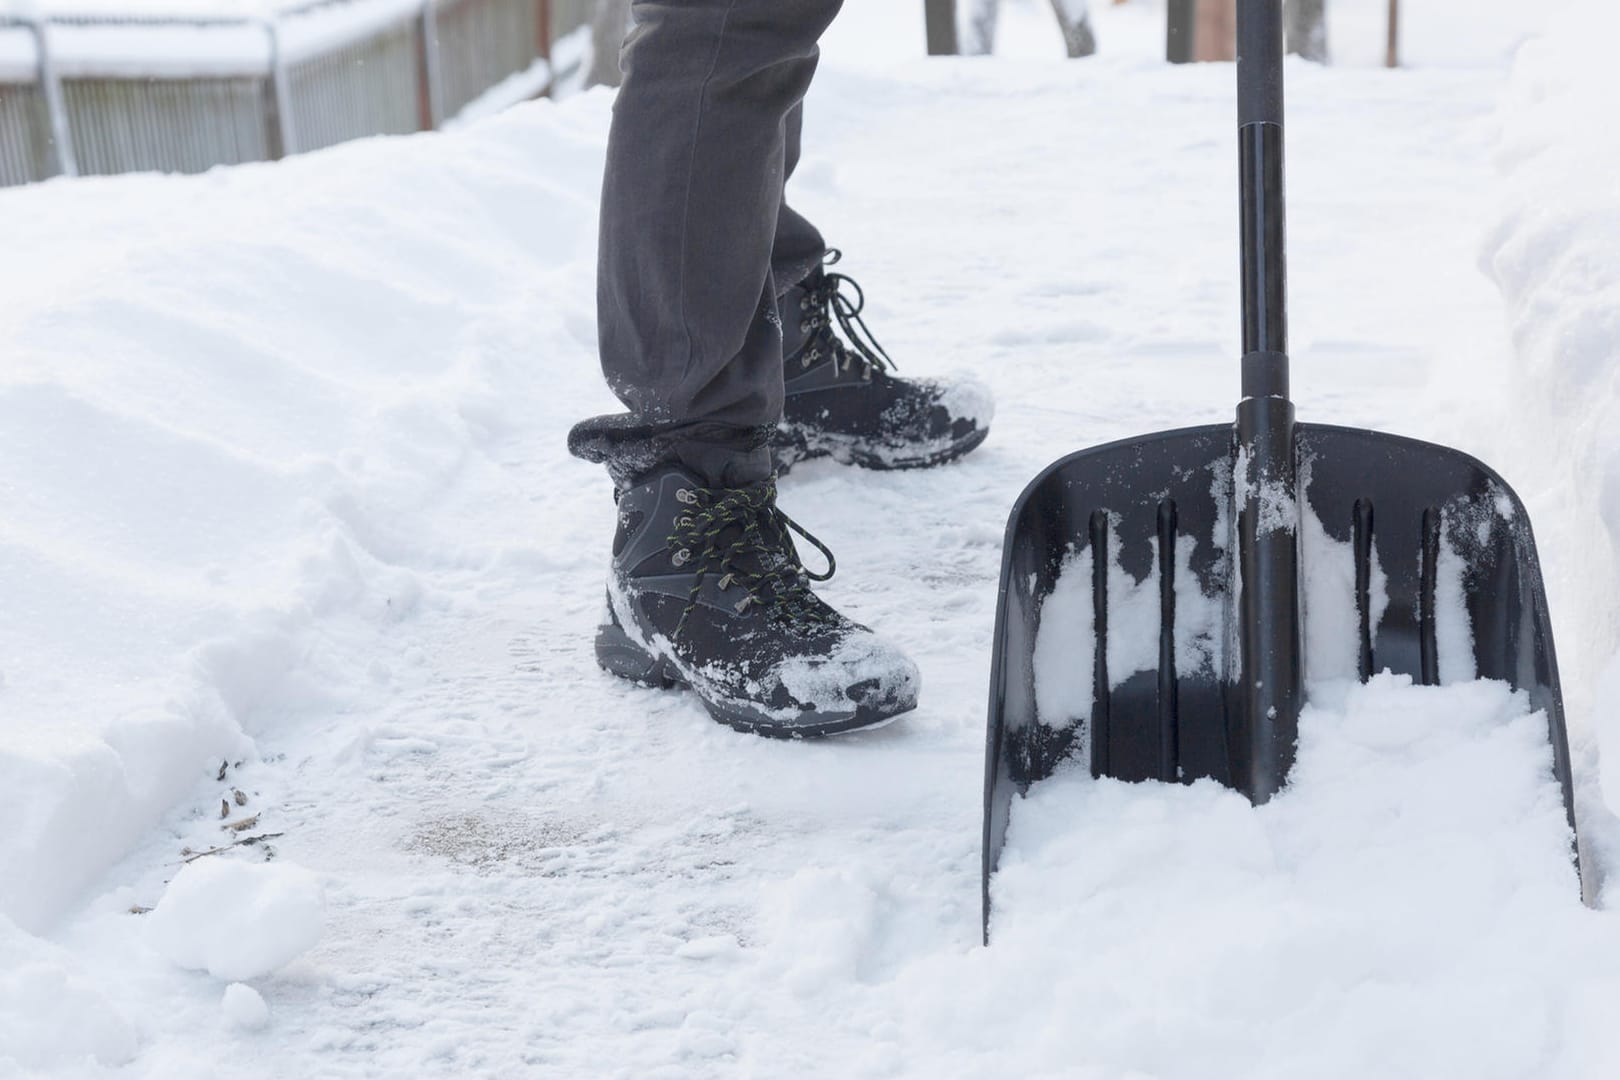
x=792, y=448
x=618, y=654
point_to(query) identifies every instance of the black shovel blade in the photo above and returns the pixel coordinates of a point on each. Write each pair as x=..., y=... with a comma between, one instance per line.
x=1115, y=621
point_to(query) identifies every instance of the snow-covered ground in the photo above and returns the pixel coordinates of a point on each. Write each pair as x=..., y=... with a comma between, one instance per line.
x=291, y=543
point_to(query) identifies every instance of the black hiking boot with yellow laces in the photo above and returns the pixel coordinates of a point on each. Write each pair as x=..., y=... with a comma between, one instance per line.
x=707, y=591
x=843, y=399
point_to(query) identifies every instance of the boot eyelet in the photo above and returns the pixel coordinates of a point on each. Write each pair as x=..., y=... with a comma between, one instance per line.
x=685, y=496
x=804, y=326
x=680, y=557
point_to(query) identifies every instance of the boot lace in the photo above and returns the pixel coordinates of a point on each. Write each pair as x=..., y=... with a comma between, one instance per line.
x=739, y=534
x=828, y=301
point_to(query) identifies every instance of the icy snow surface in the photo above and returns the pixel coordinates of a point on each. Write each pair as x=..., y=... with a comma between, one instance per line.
x=287, y=513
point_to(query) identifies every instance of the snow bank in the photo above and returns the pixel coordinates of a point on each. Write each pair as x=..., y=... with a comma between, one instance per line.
x=218, y=459
x=1555, y=253
x=50, y=1012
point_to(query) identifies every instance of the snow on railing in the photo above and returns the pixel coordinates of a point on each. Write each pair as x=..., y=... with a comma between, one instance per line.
x=91, y=94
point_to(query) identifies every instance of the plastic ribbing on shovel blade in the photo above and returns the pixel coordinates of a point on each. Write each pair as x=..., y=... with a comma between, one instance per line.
x=1100, y=727
x=1169, y=703
x=1362, y=537
x=1428, y=628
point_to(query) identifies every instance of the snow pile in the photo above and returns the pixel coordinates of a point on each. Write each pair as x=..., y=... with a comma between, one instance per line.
x=225, y=462
x=51, y=1011
x=244, y=1008
x=1407, y=907
x=1555, y=253
x=237, y=920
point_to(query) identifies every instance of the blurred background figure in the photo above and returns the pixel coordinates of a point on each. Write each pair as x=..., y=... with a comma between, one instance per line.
x=977, y=26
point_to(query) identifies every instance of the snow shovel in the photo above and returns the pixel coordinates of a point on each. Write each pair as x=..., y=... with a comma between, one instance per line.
x=1175, y=648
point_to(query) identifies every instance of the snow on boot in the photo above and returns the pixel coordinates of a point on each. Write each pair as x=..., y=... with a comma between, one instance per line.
x=707, y=591
x=843, y=399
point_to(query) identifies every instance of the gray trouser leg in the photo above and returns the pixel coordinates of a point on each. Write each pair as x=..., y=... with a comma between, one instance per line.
x=798, y=248
x=691, y=212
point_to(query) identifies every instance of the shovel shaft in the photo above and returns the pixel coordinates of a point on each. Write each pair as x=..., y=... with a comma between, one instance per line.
x=1267, y=682
x=1267, y=679
x=1260, y=141
x=1265, y=264
x=1260, y=51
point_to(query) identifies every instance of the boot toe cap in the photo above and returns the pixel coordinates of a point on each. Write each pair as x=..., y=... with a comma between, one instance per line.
x=863, y=674
x=966, y=398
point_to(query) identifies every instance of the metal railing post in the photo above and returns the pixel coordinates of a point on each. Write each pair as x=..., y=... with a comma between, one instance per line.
x=280, y=133
x=50, y=87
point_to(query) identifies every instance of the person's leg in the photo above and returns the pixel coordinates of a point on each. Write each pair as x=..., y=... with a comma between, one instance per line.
x=695, y=166
x=705, y=588
x=841, y=397
x=798, y=249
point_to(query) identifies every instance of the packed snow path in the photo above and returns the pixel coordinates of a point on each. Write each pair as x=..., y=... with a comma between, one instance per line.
x=532, y=869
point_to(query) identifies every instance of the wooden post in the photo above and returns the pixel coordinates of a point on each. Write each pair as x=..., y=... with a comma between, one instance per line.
x=939, y=21
x=1392, y=47
x=1179, y=31
x=1216, y=34
x=1198, y=30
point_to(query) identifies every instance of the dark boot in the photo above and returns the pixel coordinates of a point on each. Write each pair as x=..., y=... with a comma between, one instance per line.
x=843, y=399
x=707, y=591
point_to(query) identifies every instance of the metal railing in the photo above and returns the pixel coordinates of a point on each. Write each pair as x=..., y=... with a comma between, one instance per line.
x=86, y=96
x=25, y=142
